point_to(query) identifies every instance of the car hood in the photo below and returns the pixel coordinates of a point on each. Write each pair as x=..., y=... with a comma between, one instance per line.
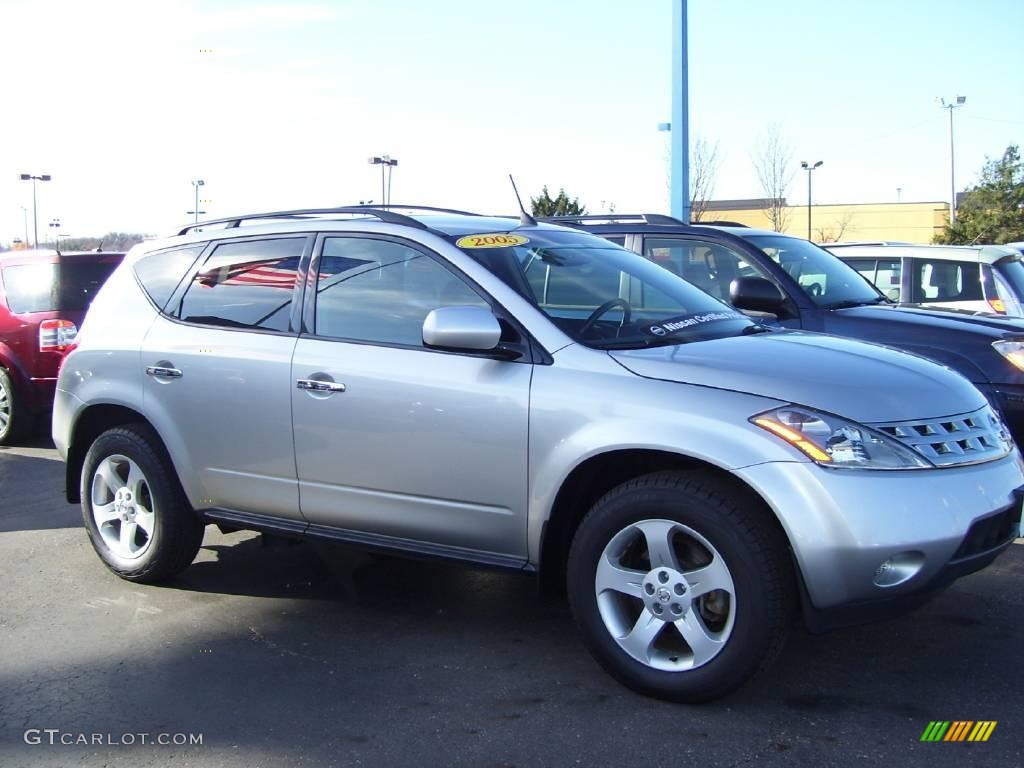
x=996, y=326
x=860, y=381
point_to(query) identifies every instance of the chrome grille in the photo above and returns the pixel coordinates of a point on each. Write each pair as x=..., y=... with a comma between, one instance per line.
x=964, y=439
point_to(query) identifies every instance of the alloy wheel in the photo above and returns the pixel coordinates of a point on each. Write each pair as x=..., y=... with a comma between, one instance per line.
x=5, y=408
x=123, y=507
x=666, y=595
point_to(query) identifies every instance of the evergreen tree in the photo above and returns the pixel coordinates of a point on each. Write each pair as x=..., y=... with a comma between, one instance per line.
x=992, y=211
x=545, y=205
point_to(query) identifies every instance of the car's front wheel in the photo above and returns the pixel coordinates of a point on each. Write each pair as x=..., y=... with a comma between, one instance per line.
x=137, y=516
x=682, y=587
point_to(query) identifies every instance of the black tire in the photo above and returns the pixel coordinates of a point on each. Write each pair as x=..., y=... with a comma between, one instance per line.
x=753, y=548
x=17, y=420
x=177, y=532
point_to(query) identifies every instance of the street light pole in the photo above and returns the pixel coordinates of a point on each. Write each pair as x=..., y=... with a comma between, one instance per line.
x=385, y=162
x=810, y=169
x=951, y=105
x=197, y=183
x=35, y=216
x=55, y=225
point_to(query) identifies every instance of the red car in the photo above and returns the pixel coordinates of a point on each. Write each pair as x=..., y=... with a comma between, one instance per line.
x=43, y=300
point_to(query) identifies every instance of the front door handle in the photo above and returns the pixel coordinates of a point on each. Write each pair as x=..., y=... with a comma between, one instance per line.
x=312, y=385
x=163, y=370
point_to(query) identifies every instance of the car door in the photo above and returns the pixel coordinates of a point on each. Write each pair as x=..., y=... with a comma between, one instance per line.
x=712, y=267
x=218, y=365
x=396, y=443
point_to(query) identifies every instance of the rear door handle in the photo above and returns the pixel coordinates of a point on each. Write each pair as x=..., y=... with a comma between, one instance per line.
x=161, y=370
x=312, y=385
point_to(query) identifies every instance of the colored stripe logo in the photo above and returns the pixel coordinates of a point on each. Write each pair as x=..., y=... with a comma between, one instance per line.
x=959, y=730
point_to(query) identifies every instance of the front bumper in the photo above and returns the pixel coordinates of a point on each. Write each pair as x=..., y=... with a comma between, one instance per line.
x=843, y=524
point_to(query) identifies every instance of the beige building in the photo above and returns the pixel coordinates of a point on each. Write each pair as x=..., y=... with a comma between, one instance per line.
x=907, y=222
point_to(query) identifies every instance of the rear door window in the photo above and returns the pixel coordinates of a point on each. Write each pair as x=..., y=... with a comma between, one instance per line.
x=939, y=280
x=248, y=284
x=69, y=284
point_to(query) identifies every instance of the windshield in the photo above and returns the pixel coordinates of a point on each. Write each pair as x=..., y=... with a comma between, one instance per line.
x=828, y=281
x=66, y=285
x=599, y=294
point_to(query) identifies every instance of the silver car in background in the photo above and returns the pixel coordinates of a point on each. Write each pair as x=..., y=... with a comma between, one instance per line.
x=973, y=278
x=532, y=398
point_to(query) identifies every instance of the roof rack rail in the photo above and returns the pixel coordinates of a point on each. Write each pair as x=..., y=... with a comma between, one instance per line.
x=232, y=222
x=431, y=208
x=721, y=223
x=596, y=218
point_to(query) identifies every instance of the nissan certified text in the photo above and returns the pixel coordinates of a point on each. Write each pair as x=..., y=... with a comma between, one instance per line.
x=529, y=397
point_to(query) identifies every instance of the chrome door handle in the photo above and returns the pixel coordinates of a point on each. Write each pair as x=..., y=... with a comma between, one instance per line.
x=313, y=385
x=160, y=370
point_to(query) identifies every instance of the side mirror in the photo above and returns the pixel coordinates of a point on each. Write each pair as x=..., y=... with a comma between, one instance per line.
x=471, y=329
x=755, y=294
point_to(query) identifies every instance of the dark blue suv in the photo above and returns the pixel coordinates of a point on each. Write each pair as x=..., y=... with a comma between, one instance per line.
x=791, y=282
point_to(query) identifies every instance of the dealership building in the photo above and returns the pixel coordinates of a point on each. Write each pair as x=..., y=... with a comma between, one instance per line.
x=908, y=222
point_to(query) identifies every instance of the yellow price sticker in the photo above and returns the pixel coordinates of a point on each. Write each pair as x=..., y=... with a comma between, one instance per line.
x=498, y=240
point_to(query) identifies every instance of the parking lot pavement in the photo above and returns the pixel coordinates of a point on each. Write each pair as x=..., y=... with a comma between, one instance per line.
x=321, y=656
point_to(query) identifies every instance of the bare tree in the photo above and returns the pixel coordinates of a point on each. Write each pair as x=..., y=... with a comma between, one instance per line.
x=704, y=162
x=772, y=158
x=831, y=235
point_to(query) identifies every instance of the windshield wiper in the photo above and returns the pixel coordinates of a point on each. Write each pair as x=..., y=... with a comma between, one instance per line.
x=751, y=329
x=850, y=303
x=641, y=343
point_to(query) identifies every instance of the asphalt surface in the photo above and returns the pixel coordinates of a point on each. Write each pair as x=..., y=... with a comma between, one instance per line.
x=318, y=656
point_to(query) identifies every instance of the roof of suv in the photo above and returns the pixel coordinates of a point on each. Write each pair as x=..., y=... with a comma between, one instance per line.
x=987, y=254
x=438, y=221
x=654, y=223
x=46, y=256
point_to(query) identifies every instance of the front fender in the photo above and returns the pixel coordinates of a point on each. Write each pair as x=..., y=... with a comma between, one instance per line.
x=573, y=419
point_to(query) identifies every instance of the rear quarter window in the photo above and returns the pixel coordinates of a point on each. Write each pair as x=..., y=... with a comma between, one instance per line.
x=159, y=273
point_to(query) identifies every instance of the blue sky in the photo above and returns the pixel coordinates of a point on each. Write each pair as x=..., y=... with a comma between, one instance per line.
x=122, y=105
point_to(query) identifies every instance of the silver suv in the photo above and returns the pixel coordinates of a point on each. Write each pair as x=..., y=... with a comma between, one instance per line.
x=532, y=398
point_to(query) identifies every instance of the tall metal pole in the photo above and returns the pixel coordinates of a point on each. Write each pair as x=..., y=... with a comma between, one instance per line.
x=959, y=101
x=952, y=172
x=810, y=168
x=196, y=209
x=809, y=203
x=35, y=217
x=383, y=197
x=680, y=135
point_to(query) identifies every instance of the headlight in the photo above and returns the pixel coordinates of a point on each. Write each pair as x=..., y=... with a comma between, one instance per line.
x=1012, y=351
x=835, y=442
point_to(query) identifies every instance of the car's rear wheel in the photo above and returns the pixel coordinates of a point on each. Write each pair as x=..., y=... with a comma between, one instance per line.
x=137, y=516
x=12, y=418
x=681, y=584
